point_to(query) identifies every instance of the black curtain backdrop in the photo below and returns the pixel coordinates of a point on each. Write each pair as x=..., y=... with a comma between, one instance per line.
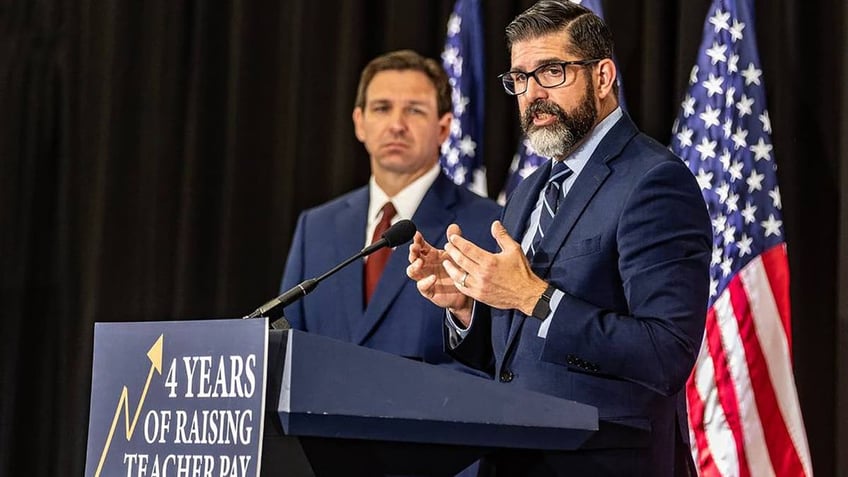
x=154, y=157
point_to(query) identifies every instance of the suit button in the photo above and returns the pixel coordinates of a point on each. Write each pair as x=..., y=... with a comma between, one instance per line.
x=506, y=376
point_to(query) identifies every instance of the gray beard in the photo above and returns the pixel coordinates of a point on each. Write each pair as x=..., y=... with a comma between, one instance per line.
x=551, y=141
x=559, y=138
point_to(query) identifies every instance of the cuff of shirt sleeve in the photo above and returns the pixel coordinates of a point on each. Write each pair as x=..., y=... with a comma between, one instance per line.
x=456, y=325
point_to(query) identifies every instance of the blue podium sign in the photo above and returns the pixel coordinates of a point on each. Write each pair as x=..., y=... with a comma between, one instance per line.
x=180, y=398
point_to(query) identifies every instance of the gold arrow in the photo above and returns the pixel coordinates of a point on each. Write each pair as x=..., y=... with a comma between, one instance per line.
x=155, y=357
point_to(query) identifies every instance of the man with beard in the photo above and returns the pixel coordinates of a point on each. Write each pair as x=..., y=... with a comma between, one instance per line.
x=599, y=292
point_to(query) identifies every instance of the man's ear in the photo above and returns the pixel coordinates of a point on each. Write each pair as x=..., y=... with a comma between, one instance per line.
x=357, y=123
x=607, y=76
x=444, y=126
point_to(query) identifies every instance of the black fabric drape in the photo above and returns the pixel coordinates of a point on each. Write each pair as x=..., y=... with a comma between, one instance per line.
x=154, y=157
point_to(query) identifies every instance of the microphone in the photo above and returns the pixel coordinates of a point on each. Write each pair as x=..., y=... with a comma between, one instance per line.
x=397, y=234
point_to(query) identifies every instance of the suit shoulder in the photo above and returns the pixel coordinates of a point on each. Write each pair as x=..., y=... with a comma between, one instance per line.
x=473, y=200
x=650, y=146
x=338, y=203
x=651, y=150
x=462, y=198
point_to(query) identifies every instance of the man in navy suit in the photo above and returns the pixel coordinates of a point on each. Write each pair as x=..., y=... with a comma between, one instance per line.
x=402, y=115
x=599, y=291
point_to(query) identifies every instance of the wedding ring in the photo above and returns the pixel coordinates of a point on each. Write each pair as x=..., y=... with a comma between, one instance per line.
x=462, y=282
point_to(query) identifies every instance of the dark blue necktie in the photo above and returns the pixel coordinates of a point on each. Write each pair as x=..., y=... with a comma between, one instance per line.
x=550, y=204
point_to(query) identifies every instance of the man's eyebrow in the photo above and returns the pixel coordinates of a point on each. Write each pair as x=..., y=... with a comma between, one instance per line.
x=542, y=62
x=409, y=102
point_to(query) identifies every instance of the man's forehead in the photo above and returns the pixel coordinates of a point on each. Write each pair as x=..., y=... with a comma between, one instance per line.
x=412, y=78
x=535, y=51
x=402, y=86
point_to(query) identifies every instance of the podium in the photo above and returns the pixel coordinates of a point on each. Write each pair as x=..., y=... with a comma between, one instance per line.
x=338, y=409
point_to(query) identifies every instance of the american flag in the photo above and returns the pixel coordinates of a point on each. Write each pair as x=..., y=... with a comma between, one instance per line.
x=744, y=415
x=462, y=152
x=525, y=160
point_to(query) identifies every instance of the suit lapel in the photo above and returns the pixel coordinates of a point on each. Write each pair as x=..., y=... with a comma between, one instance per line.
x=349, y=237
x=432, y=217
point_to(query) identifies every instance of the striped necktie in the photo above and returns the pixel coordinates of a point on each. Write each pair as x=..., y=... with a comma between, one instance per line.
x=550, y=204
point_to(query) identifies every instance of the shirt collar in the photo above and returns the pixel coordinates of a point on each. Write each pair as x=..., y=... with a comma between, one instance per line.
x=406, y=201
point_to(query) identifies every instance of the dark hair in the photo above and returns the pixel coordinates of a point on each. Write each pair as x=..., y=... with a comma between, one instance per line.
x=407, y=60
x=588, y=35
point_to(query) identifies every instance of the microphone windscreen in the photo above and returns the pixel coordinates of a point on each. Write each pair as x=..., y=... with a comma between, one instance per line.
x=399, y=233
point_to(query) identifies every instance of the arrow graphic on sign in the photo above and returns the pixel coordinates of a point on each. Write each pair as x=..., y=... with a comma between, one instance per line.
x=155, y=357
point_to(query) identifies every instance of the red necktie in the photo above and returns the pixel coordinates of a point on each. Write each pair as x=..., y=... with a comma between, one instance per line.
x=377, y=261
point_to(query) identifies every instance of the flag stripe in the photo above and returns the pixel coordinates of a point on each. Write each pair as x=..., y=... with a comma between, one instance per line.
x=706, y=418
x=730, y=375
x=741, y=327
x=777, y=268
x=776, y=264
x=768, y=360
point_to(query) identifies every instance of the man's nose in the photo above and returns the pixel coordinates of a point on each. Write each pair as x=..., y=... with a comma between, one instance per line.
x=534, y=90
x=397, y=122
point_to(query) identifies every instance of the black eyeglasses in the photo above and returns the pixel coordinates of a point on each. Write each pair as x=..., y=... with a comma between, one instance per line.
x=548, y=75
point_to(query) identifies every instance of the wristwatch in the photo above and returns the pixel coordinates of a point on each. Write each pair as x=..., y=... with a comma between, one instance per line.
x=543, y=306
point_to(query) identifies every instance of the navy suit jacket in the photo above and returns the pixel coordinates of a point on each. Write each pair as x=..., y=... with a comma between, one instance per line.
x=630, y=248
x=397, y=319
